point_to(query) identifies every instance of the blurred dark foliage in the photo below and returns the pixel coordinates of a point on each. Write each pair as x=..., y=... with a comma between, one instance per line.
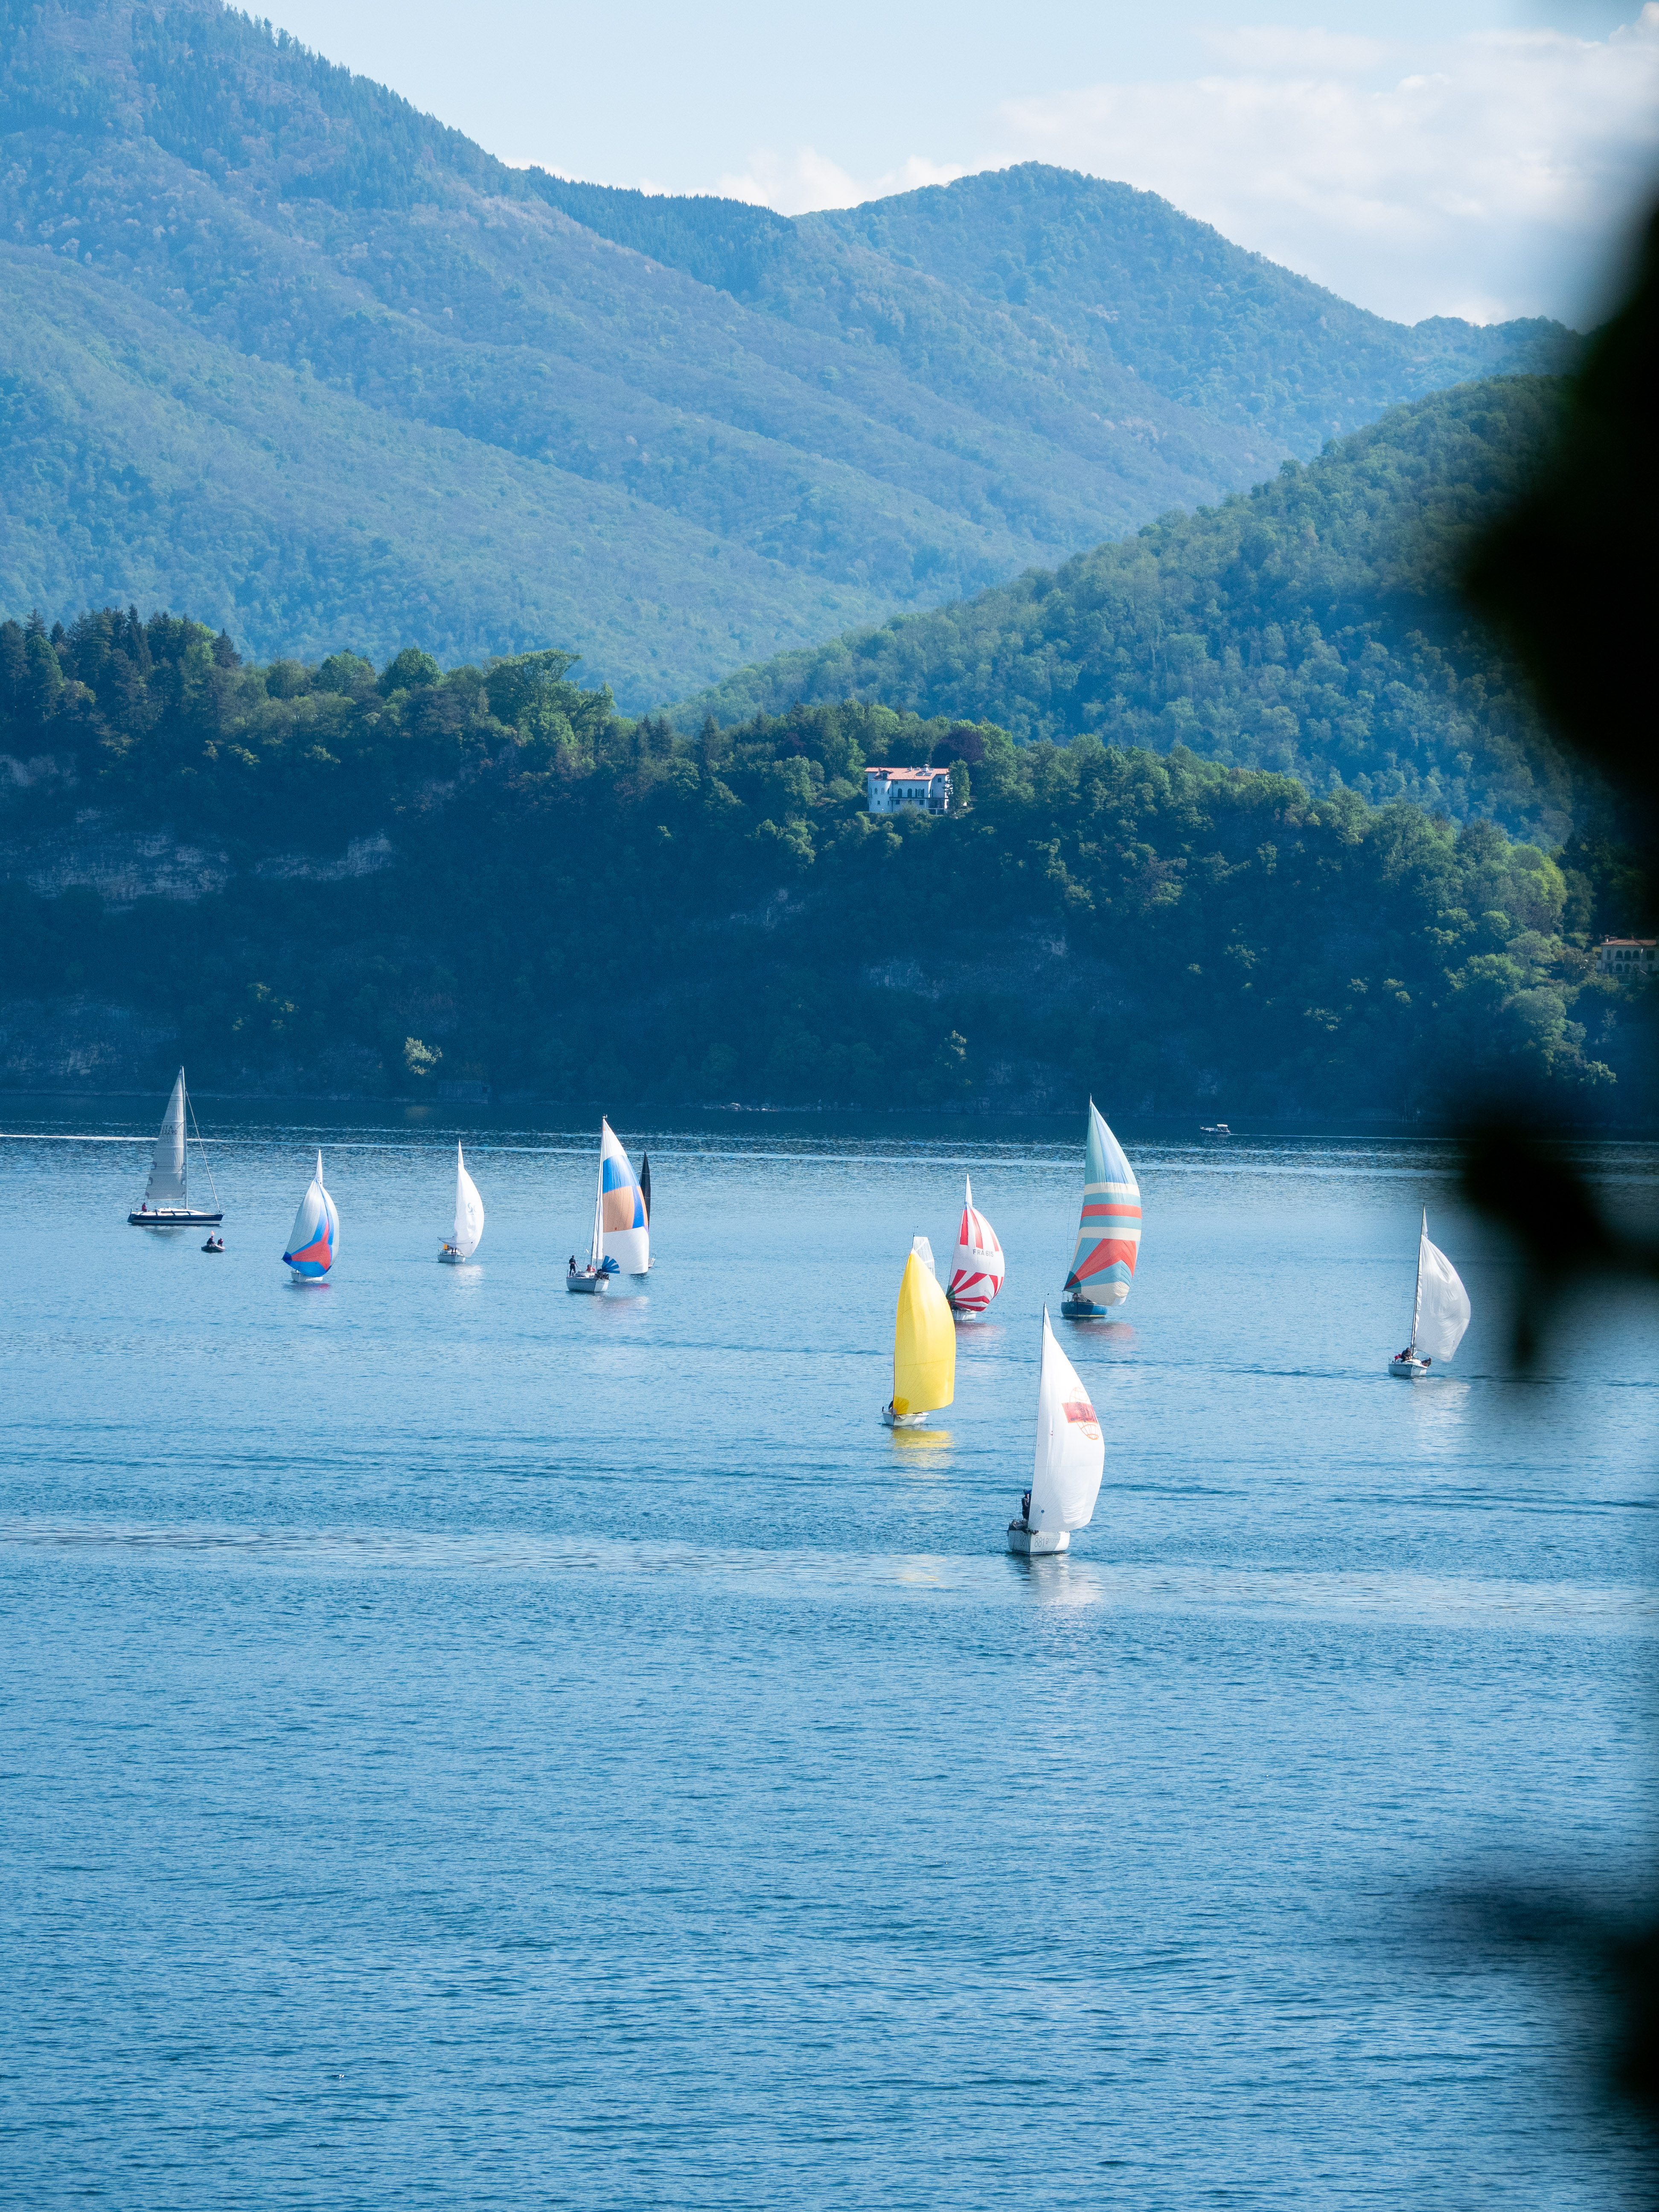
x=1572, y=576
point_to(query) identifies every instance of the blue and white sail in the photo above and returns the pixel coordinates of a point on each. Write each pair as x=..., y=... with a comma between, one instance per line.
x=622, y=1227
x=314, y=1238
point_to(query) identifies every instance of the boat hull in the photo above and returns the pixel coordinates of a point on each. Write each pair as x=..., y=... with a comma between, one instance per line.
x=183, y=1217
x=451, y=1258
x=1037, y=1543
x=587, y=1285
x=892, y=1420
x=1407, y=1370
x=1084, y=1309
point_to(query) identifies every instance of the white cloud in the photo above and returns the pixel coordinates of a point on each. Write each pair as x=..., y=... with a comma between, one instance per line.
x=1485, y=176
x=796, y=183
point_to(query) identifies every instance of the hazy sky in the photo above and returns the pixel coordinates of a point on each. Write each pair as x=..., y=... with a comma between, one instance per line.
x=1470, y=157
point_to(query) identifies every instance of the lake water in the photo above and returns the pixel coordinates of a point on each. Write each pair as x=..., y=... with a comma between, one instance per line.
x=467, y=1744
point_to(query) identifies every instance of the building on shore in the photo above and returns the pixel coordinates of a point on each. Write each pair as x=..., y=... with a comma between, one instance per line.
x=896, y=790
x=1630, y=958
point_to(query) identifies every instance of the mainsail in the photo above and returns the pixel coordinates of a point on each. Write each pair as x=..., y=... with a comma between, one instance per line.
x=622, y=1227
x=1108, y=1231
x=1070, y=1452
x=315, y=1237
x=469, y=1211
x=924, y=1342
x=166, y=1186
x=1442, y=1312
x=977, y=1276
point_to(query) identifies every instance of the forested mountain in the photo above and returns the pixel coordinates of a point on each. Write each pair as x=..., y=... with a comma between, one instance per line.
x=1308, y=628
x=333, y=879
x=444, y=402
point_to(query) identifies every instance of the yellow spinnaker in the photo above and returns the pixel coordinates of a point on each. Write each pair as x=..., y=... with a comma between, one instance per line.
x=923, y=1343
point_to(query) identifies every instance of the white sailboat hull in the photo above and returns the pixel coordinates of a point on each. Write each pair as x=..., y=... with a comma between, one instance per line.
x=589, y=1281
x=451, y=1258
x=892, y=1420
x=1037, y=1543
x=1407, y=1370
x=175, y=1217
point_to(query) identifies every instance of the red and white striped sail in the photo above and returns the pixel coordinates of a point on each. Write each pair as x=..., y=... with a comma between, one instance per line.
x=977, y=1276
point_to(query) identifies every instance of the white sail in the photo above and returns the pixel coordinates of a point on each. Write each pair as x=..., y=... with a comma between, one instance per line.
x=166, y=1186
x=623, y=1231
x=469, y=1210
x=924, y=1252
x=1442, y=1304
x=314, y=1240
x=1070, y=1452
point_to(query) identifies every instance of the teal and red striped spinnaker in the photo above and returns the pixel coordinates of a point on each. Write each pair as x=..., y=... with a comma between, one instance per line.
x=1109, y=1232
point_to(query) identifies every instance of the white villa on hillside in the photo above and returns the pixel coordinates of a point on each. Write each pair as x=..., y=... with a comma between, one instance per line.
x=892, y=790
x=1627, y=957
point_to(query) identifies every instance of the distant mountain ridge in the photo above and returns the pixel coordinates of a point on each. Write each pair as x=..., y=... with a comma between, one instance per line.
x=488, y=409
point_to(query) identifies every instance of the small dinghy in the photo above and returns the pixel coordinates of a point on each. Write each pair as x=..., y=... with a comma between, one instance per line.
x=1440, y=1311
x=315, y=1237
x=924, y=1344
x=977, y=1276
x=1071, y=1457
x=167, y=1200
x=1108, y=1230
x=622, y=1222
x=462, y=1240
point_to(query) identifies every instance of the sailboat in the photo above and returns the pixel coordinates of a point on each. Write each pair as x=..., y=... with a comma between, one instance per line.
x=924, y=1344
x=621, y=1226
x=314, y=1239
x=1107, y=1231
x=166, y=1201
x=1070, y=1456
x=463, y=1240
x=977, y=1276
x=1440, y=1311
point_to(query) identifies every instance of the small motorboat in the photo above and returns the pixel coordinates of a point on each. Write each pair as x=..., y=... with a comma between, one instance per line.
x=1071, y=1457
x=1213, y=1129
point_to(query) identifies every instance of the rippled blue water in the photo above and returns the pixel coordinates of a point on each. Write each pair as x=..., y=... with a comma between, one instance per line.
x=468, y=1745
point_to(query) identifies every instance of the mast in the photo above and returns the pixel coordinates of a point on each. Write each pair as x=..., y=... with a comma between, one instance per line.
x=1417, y=1296
x=599, y=1202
